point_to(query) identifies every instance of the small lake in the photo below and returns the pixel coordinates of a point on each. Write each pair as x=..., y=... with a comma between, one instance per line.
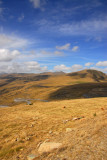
x=3, y=106
x=28, y=101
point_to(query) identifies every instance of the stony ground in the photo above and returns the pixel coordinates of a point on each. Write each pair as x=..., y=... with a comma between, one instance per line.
x=79, y=126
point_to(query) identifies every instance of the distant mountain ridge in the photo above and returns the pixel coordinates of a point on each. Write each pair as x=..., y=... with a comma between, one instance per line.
x=93, y=74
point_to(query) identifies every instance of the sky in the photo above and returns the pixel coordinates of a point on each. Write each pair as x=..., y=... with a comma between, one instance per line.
x=53, y=35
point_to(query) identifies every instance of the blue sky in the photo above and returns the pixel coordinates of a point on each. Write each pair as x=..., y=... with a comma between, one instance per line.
x=46, y=35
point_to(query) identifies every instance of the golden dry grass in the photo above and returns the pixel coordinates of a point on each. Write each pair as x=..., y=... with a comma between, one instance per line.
x=30, y=89
x=23, y=128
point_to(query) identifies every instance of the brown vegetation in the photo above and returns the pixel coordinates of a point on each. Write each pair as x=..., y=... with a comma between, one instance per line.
x=23, y=128
x=78, y=124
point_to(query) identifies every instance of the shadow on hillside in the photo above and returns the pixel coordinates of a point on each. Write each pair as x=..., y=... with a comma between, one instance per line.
x=10, y=78
x=86, y=90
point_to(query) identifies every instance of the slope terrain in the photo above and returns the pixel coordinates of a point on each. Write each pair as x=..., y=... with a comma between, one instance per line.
x=85, y=90
x=39, y=111
x=78, y=125
x=43, y=86
x=92, y=74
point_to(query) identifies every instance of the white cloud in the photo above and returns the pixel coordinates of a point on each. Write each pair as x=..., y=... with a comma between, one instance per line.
x=45, y=52
x=27, y=67
x=58, y=53
x=32, y=65
x=75, y=48
x=12, y=42
x=101, y=63
x=99, y=39
x=35, y=66
x=20, y=19
x=92, y=27
x=36, y=3
x=61, y=67
x=95, y=28
x=88, y=64
x=100, y=69
x=6, y=55
x=65, y=47
x=76, y=67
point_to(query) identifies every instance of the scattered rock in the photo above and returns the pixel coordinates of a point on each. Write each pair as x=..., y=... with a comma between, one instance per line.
x=77, y=118
x=31, y=135
x=29, y=103
x=32, y=157
x=64, y=107
x=31, y=125
x=65, y=121
x=27, y=138
x=68, y=130
x=35, y=118
x=48, y=146
x=17, y=157
x=50, y=132
x=17, y=139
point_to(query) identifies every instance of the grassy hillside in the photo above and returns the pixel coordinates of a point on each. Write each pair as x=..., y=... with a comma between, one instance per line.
x=23, y=128
x=92, y=74
x=41, y=86
x=78, y=124
x=86, y=90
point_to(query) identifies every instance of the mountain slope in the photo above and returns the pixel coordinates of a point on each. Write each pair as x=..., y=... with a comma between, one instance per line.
x=24, y=128
x=86, y=90
x=92, y=74
x=41, y=86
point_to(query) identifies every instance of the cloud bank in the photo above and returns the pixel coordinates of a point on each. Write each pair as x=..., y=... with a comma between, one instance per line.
x=7, y=55
x=8, y=42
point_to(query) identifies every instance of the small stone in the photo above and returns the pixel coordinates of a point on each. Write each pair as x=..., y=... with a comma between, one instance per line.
x=31, y=125
x=64, y=107
x=68, y=130
x=32, y=157
x=27, y=138
x=48, y=146
x=35, y=118
x=21, y=149
x=65, y=121
x=17, y=157
x=50, y=132
x=75, y=118
x=17, y=139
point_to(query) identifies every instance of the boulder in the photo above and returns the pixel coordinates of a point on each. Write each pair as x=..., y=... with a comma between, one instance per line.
x=68, y=130
x=32, y=157
x=48, y=146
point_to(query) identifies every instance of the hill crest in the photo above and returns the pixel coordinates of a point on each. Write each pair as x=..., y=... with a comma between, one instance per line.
x=89, y=73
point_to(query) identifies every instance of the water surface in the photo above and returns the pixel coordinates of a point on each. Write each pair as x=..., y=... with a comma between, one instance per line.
x=3, y=106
